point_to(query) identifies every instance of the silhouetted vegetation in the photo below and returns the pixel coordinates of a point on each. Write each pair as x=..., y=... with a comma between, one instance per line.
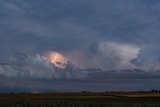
x=155, y=91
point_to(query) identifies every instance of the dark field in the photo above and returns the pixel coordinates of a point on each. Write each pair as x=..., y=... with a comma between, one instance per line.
x=121, y=99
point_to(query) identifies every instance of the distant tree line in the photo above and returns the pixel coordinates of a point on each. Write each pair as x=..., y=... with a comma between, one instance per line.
x=155, y=91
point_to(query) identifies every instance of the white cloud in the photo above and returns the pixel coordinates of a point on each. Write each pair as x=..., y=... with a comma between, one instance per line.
x=108, y=56
x=118, y=55
x=149, y=65
x=31, y=67
x=38, y=67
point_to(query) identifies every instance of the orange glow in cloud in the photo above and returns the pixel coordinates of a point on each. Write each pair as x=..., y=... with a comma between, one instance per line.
x=57, y=59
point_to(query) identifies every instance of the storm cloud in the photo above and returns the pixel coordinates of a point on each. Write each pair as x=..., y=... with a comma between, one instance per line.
x=120, y=55
x=37, y=67
x=102, y=39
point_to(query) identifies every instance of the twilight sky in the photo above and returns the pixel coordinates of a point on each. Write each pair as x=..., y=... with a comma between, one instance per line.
x=110, y=45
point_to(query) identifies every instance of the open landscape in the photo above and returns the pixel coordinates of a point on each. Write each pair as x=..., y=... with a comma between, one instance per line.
x=94, y=99
x=79, y=53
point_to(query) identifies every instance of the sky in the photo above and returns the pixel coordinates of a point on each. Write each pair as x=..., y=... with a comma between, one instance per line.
x=75, y=45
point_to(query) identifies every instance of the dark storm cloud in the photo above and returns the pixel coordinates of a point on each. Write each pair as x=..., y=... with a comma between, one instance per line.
x=36, y=74
x=72, y=24
x=115, y=35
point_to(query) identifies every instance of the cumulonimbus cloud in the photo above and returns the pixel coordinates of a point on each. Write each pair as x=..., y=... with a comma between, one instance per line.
x=109, y=55
x=31, y=67
x=118, y=55
x=37, y=67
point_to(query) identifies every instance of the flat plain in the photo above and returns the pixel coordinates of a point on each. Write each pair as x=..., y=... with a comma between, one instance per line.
x=90, y=99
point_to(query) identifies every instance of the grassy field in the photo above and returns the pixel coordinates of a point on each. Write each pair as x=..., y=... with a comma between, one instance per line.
x=111, y=99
